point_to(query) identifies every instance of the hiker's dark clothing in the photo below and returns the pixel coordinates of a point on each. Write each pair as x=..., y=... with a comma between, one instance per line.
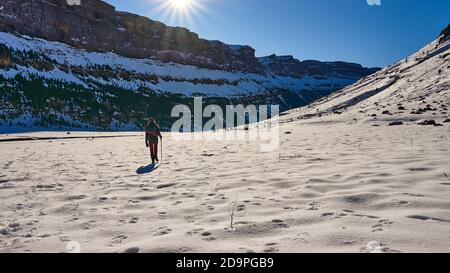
x=154, y=151
x=152, y=134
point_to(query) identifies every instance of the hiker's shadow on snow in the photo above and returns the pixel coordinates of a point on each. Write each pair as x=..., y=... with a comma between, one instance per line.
x=147, y=169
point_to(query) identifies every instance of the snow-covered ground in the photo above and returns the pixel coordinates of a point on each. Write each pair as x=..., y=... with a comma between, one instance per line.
x=329, y=188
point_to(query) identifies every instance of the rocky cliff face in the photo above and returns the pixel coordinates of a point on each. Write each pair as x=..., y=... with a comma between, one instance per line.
x=291, y=67
x=97, y=26
x=96, y=68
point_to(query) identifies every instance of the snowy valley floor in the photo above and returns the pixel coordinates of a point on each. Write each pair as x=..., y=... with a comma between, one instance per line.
x=329, y=188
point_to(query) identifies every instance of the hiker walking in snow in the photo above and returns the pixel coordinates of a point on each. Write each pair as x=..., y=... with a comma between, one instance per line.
x=152, y=132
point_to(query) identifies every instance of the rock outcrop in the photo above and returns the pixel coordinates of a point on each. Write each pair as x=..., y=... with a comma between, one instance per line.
x=445, y=34
x=97, y=26
x=290, y=67
x=69, y=78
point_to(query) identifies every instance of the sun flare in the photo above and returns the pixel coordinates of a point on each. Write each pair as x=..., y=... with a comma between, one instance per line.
x=180, y=12
x=181, y=4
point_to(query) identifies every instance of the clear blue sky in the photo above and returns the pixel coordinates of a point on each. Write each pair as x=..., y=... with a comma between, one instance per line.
x=327, y=30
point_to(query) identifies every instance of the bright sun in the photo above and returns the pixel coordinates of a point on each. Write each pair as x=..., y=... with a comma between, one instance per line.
x=180, y=12
x=180, y=3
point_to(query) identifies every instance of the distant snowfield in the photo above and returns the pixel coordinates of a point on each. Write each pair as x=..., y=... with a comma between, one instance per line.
x=247, y=83
x=26, y=123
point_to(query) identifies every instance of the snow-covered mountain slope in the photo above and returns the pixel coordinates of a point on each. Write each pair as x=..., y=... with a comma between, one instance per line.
x=414, y=90
x=98, y=68
x=73, y=88
x=68, y=64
